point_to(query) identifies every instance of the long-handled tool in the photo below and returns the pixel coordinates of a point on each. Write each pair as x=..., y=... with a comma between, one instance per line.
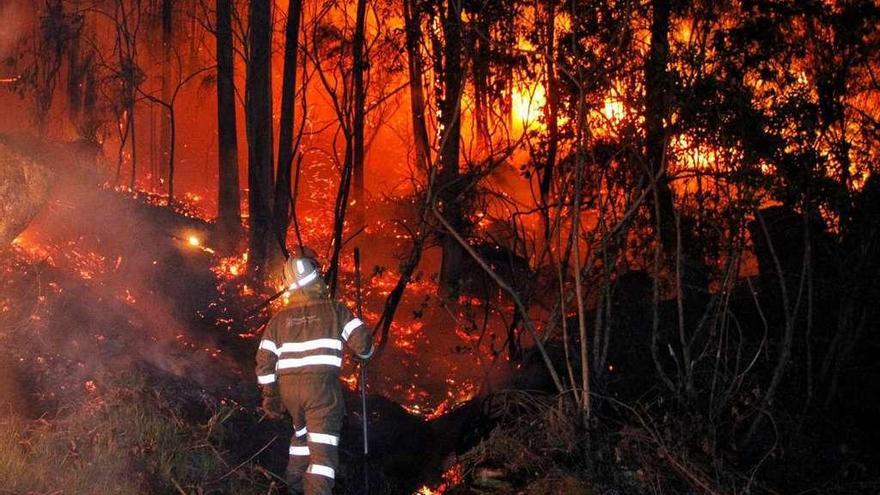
x=363, y=370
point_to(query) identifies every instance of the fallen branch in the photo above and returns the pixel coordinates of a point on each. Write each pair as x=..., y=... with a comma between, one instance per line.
x=249, y=459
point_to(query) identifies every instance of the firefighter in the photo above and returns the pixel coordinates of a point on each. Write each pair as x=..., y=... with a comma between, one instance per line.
x=298, y=364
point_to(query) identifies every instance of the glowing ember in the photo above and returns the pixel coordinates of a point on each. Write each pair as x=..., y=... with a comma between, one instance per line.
x=451, y=478
x=90, y=386
x=350, y=381
x=128, y=297
x=231, y=267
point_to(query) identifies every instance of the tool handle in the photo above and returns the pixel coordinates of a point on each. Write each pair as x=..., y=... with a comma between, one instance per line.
x=363, y=370
x=363, y=380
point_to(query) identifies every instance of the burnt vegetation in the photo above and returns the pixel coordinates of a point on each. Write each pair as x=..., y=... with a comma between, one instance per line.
x=609, y=247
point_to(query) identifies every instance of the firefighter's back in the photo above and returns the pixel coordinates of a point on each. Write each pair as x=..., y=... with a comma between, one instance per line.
x=308, y=339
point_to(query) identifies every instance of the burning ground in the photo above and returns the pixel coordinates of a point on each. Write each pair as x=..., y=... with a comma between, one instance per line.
x=128, y=348
x=126, y=363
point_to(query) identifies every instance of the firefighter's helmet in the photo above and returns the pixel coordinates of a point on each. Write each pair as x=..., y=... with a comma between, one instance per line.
x=300, y=272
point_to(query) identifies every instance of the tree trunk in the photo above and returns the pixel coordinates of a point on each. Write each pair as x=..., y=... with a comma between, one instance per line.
x=360, y=98
x=172, y=137
x=285, y=134
x=229, y=201
x=74, y=79
x=416, y=84
x=90, y=96
x=131, y=123
x=123, y=139
x=164, y=117
x=449, y=178
x=481, y=85
x=656, y=110
x=339, y=216
x=551, y=111
x=258, y=104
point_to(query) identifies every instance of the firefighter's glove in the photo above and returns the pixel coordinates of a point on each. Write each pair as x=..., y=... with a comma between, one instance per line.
x=273, y=407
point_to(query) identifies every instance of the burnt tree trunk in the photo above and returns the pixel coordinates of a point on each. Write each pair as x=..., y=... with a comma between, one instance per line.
x=127, y=54
x=656, y=111
x=481, y=56
x=258, y=104
x=172, y=140
x=74, y=77
x=551, y=113
x=286, y=149
x=412, y=22
x=229, y=200
x=360, y=97
x=449, y=179
x=90, y=96
x=164, y=118
x=131, y=122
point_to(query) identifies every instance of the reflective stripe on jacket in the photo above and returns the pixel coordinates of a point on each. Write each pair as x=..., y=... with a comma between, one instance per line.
x=308, y=338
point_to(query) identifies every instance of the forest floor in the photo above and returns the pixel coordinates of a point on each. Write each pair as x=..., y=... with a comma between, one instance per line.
x=126, y=366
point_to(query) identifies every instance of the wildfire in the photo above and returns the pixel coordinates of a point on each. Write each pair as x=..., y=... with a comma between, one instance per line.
x=613, y=110
x=528, y=103
x=189, y=205
x=451, y=478
x=231, y=267
x=693, y=155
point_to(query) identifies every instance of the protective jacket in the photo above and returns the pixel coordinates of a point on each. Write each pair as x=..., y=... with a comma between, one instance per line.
x=300, y=357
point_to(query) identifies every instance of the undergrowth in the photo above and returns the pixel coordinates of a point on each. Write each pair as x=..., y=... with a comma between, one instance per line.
x=124, y=440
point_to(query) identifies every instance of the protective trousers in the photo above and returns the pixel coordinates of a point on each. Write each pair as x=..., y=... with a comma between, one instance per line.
x=316, y=407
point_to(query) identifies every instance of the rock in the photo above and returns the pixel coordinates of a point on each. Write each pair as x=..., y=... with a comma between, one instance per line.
x=24, y=188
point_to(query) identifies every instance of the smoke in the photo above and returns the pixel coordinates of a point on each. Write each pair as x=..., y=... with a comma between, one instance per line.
x=14, y=19
x=24, y=186
x=115, y=289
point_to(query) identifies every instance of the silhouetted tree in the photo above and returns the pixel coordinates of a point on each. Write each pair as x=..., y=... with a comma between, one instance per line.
x=286, y=145
x=449, y=184
x=229, y=200
x=258, y=106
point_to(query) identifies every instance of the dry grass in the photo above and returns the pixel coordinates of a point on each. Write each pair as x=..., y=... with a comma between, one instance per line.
x=535, y=435
x=126, y=441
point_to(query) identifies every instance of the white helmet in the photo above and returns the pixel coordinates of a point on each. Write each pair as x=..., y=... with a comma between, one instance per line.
x=299, y=272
